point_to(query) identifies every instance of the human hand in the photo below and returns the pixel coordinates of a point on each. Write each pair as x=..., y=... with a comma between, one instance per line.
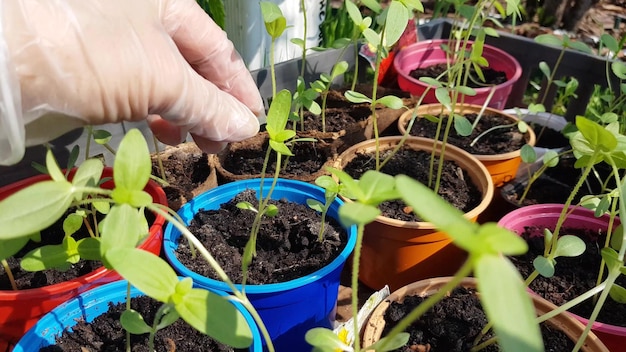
x=82, y=62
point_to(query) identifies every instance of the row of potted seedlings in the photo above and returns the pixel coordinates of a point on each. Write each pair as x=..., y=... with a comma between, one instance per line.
x=296, y=310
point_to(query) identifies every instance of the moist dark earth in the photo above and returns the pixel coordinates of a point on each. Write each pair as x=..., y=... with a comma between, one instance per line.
x=287, y=245
x=573, y=275
x=105, y=334
x=453, y=324
x=438, y=71
x=498, y=141
x=456, y=186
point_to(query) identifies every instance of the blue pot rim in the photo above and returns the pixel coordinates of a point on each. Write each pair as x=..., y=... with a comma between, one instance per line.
x=171, y=234
x=106, y=293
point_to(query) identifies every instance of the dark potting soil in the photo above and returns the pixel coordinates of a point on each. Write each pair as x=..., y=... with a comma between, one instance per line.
x=105, y=333
x=544, y=190
x=183, y=172
x=27, y=280
x=573, y=275
x=336, y=119
x=456, y=186
x=549, y=138
x=453, y=324
x=287, y=245
x=499, y=141
x=492, y=77
x=308, y=158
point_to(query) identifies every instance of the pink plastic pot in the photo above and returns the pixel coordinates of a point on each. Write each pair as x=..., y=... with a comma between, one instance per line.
x=429, y=52
x=546, y=215
x=19, y=310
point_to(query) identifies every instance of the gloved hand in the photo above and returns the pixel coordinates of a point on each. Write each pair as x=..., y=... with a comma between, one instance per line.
x=75, y=62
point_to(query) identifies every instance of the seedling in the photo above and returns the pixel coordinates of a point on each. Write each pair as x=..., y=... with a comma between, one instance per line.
x=331, y=190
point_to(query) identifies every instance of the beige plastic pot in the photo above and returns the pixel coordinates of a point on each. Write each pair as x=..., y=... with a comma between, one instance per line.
x=396, y=252
x=375, y=325
x=502, y=167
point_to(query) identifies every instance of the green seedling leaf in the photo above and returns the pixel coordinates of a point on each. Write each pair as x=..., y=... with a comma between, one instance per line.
x=430, y=207
x=278, y=113
x=617, y=237
x=491, y=32
x=544, y=266
x=280, y=148
x=132, y=165
x=618, y=293
x=462, y=125
x=89, y=248
x=496, y=240
x=133, y=322
x=377, y=187
x=215, y=316
x=595, y=134
x=284, y=135
x=603, y=206
x=339, y=69
x=536, y=108
x=372, y=5
x=465, y=90
x=88, y=173
x=71, y=248
x=547, y=238
x=133, y=198
x=589, y=202
x=102, y=207
x=551, y=158
x=315, y=204
x=619, y=69
x=414, y=5
x=522, y=127
x=372, y=37
x=391, y=343
x=326, y=339
x=569, y=246
x=71, y=160
x=397, y=18
x=611, y=259
x=9, y=247
x=271, y=210
x=101, y=136
x=353, y=12
x=356, y=97
x=120, y=229
x=609, y=117
x=391, y=102
x=299, y=42
x=580, y=46
x=327, y=183
x=246, y=206
x=169, y=318
x=72, y=223
x=609, y=42
x=53, y=168
x=357, y=214
x=158, y=282
x=499, y=284
x=545, y=69
x=528, y=154
x=549, y=39
x=431, y=81
x=47, y=257
x=20, y=216
x=275, y=22
x=443, y=97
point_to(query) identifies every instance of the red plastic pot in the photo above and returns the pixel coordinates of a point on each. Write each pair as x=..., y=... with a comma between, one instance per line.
x=19, y=310
x=429, y=52
x=546, y=215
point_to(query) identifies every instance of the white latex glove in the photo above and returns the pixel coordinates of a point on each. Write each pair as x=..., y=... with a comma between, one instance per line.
x=66, y=63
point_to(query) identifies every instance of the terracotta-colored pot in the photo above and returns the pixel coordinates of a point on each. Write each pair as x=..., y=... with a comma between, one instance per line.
x=542, y=216
x=396, y=252
x=502, y=167
x=19, y=310
x=564, y=322
x=429, y=52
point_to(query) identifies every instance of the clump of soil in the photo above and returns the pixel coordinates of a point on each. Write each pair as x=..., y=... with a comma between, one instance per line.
x=456, y=186
x=573, y=275
x=492, y=76
x=498, y=141
x=287, y=245
x=105, y=333
x=453, y=324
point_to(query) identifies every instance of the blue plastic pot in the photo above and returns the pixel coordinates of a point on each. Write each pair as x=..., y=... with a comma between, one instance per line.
x=90, y=305
x=288, y=309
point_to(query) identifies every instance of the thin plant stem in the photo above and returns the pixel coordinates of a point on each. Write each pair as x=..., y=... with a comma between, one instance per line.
x=128, y=349
x=7, y=270
x=356, y=259
x=158, y=158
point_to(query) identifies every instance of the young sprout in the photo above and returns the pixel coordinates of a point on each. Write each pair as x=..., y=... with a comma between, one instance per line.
x=331, y=190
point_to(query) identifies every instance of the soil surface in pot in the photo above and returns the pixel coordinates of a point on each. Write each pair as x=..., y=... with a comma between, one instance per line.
x=456, y=186
x=498, y=141
x=105, y=333
x=549, y=138
x=492, y=77
x=453, y=324
x=308, y=158
x=573, y=275
x=183, y=172
x=287, y=244
x=337, y=119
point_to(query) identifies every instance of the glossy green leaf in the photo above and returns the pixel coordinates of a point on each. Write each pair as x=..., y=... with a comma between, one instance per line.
x=431, y=81
x=146, y=271
x=391, y=102
x=549, y=39
x=215, y=316
x=545, y=69
x=169, y=318
x=299, y=42
x=351, y=187
x=611, y=258
x=443, y=97
x=618, y=293
x=132, y=165
x=11, y=246
x=544, y=266
x=609, y=42
x=356, y=97
x=271, y=210
x=465, y=90
x=284, y=135
x=72, y=223
x=278, y=113
x=617, y=237
x=595, y=134
x=134, y=198
x=372, y=37
x=246, y=206
x=339, y=69
x=619, y=69
x=89, y=248
x=327, y=183
x=133, y=322
x=397, y=18
x=431, y=207
x=551, y=158
x=325, y=338
x=53, y=168
x=580, y=46
x=603, y=206
x=120, y=229
x=71, y=160
x=275, y=22
x=315, y=204
x=46, y=257
x=101, y=136
x=414, y=5
x=280, y=148
x=462, y=125
x=507, y=304
x=353, y=12
x=528, y=154
x=102, y=207
x=377, y=187
x=569, y=246
x=357, y=214
x=497, y=240
x=88, y=173
x=372, y=5
x=21, y=215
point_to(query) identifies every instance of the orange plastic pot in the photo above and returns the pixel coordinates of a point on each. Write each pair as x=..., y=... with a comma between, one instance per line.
x=501, y=167
x=375, y=325
x=396, y=252
x=19, y=310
